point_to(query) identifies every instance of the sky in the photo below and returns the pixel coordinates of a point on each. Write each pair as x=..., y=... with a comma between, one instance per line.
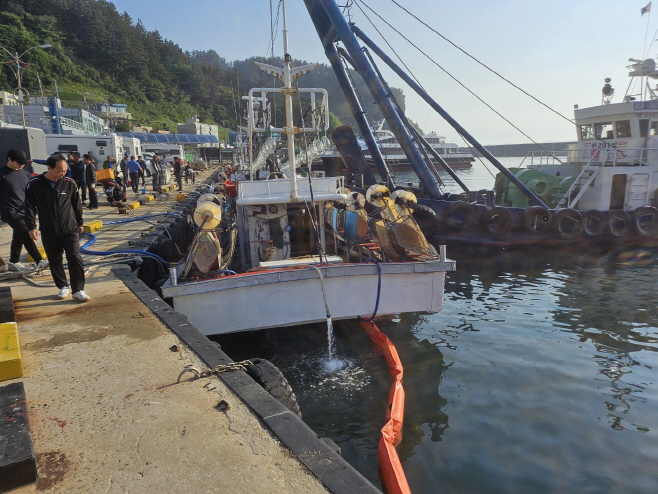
x=559, y=51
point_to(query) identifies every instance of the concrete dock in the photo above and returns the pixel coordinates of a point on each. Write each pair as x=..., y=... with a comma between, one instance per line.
x=105, y=412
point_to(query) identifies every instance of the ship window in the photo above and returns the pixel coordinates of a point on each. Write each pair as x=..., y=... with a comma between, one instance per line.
x=654, y=129
x=603, y=130
x=644, y=126
x=623, y=128
x=586, y=132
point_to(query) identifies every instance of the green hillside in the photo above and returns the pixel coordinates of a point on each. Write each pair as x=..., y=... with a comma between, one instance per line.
x=104, y=56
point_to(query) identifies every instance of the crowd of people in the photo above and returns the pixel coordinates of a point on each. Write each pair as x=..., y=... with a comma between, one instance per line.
x=56, y=198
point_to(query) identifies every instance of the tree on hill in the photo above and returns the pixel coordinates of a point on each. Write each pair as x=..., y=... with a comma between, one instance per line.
x=96, y=49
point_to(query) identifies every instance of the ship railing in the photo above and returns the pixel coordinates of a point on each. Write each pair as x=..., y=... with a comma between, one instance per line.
x=612, y=157
x=277, y=191
x=543, y=157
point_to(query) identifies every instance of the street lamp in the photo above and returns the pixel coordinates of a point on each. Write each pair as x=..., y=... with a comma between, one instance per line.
x=17, y=60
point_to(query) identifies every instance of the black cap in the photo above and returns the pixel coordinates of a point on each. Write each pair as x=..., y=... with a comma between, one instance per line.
x=18, y=156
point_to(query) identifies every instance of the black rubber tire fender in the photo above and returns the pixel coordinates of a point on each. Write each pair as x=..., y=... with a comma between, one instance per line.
x=459, y=215
x=620, y=223
x=270, y=378
x=497, y=221
x=595, y=222
x=565, y=218
x=426, y=219
x=645, y=221
x=537, y=219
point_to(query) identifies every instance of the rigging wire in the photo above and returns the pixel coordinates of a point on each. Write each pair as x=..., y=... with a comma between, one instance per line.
x=465, y=87
x=481, y=63
x=389, y=45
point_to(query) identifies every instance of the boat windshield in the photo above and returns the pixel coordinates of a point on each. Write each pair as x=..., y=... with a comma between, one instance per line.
x=623, y=128
x=603, y=130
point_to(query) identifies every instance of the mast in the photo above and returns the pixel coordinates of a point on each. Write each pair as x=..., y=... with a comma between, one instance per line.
x=288, y=91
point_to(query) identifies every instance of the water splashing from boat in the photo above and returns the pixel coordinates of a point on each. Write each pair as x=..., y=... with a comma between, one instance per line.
x=332, y=363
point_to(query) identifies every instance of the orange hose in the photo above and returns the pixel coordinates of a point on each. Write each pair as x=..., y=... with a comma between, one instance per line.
x=390, y=469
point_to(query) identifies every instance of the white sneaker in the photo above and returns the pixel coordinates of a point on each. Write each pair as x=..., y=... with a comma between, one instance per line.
x=42, y=264
x=81, y=296
x=63, y=292
x=4, y=268
x=17, y=266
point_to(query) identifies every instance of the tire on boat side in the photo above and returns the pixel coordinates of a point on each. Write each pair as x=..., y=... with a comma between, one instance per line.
x=569, y=223
x=594, y=222
x=270, y=378
x=620, y=223
x=459, y=215
x=497, y=221
x=645, y=221
x=537, y=219
x=426, y=219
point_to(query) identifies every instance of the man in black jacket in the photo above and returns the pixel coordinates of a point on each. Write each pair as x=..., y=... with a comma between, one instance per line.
x=13, y=180
x=55, y=198
x=78, y=174
x=90, y=181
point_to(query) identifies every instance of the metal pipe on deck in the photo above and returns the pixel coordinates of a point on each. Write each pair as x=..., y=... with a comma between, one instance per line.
x=405, y=139
x=358, y=112
x=423, y=94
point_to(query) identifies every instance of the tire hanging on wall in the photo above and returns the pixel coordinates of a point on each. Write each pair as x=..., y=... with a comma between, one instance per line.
x=426, y=219
x=595, y=222
x=497, y=221
x=620, y=223
x=270, y=378
x=537, y=219
x=645, y=221
x=569, y=223
x=459, y=215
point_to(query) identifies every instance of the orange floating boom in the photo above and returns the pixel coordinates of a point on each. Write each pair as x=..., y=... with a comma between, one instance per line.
x=390, y=469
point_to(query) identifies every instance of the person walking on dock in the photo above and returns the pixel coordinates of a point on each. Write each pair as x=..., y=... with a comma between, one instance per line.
x=178, y=172
x=13, y=180
x=56, y=200
x=157, y=170
x=78, y=174
x=142, y=170
x=90, y=180
x=133, y=170
x=123, y=165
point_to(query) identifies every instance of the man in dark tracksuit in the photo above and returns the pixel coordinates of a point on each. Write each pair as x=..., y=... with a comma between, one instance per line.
x=78, y=174
x=90, y=180
x=55, y=198
x=13, y=180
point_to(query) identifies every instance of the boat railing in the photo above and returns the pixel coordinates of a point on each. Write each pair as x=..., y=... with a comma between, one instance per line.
x=611, y=156
x=608, y=156
x=278, y=190
x=544, y=157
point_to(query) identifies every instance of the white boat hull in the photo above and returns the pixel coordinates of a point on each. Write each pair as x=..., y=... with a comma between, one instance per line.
x=290, y=297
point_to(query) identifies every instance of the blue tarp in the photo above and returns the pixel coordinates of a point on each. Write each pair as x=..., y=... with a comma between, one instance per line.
x=171, y=138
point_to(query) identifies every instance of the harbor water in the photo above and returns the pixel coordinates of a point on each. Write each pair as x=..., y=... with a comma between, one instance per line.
x=539, y=375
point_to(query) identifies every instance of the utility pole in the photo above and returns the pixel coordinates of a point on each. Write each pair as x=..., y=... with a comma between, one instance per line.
x=17, y=61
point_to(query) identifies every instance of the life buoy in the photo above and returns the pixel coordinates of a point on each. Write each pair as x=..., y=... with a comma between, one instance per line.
x=620, y=223
x=459, y=215
x=426, y=219
x=497, y=221
x=537, y=219
x=645, y=220
x=594, y=222
x=569, y=223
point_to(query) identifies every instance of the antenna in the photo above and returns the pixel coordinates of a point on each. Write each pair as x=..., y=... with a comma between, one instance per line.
x=607, y=92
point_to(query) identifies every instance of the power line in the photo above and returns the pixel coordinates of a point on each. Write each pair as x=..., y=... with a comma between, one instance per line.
x=483, y=64
x=458, y=81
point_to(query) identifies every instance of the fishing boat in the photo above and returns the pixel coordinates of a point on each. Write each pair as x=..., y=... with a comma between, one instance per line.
x=398, y=161
x=271, y=249
x=601, y=193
